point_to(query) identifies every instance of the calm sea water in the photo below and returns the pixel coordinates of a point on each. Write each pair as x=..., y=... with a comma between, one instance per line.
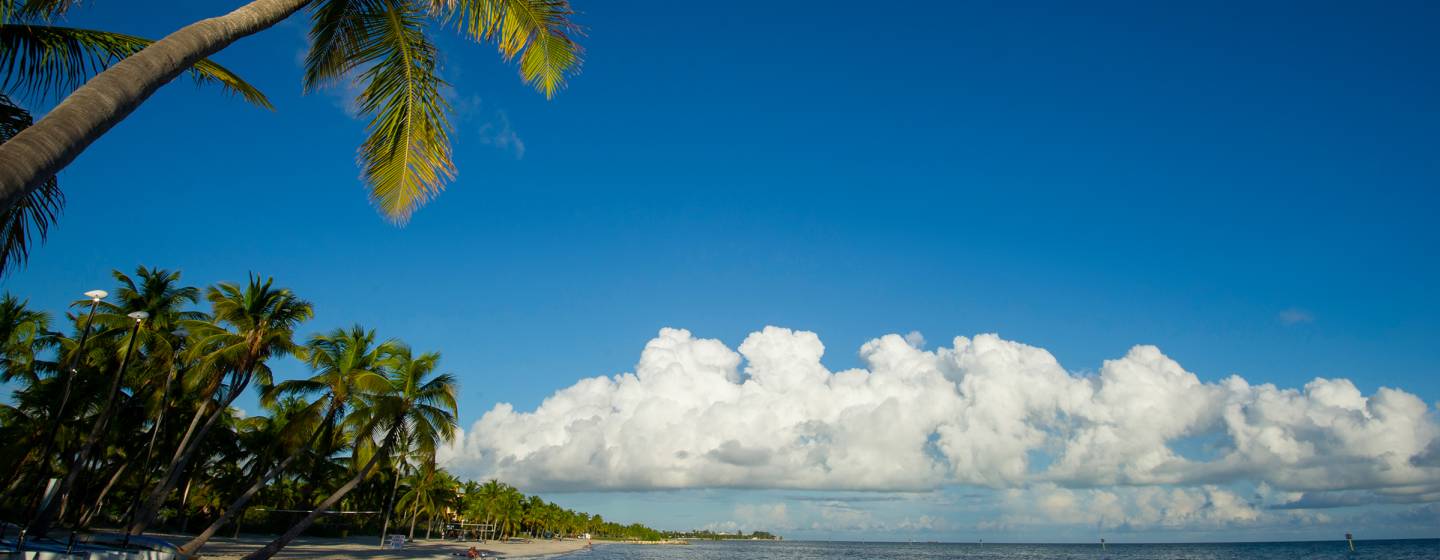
x=1387, y=550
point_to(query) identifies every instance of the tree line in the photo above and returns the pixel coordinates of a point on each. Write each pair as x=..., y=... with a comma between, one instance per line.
x=122, y=415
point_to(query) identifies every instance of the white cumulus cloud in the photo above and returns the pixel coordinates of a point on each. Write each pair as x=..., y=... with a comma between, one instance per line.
x=984, y=411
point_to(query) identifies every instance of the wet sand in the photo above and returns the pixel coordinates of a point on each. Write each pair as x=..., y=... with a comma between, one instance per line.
x=368, y=547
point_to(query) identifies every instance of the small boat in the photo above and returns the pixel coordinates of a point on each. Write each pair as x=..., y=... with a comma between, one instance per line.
x=93, y=546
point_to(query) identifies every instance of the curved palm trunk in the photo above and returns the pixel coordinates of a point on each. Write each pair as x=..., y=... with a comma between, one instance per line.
x=194, y=423
x=94, y=506
x=280, y=542
x=157, y=496
x=14, y=479
x=40, y=524
x=237, y=507
x=185, y=506
x=39, y=152
x=414, y=515
x=390, y=507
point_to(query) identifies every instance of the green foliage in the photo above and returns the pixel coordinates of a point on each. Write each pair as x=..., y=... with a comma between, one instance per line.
x=40, y=61
x=43, y=61
x=30, y=219
x=537, y=30
x=365, y=396
x=406, y=156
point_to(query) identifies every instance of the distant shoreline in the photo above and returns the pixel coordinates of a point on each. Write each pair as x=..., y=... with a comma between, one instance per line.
x=1108, y=542
x=367, y=547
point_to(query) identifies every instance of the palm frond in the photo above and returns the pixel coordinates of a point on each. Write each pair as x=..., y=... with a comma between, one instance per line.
x=44, y=61
x=336, y=32
x=539, y=31
x=32, y=10
x=544, y=64
x=29, y=220
x=406, y=156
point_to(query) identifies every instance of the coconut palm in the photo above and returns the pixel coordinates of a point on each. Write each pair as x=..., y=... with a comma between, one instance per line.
x=160, y=294
x=493, y=492
x=509, y=512
x=408, y=404
x=24, y=337
x=342, y=359
x=251, y=325
x=405, y=365
x=23, y=422
x=30, y=216
x=429, y=490
x=271, y=444
x=41, y=61
x=405, y=158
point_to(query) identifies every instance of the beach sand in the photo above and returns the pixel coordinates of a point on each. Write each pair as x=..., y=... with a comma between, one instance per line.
x=368, y=547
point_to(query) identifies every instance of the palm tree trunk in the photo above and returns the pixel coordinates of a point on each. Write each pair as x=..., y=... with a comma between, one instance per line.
x=94, y=507
x=237, y=507
x=414, y=515
x=240, y=518
x=190, y=431
x=390, y=506
x=185, y=506
x=15, y=478
x=274, y=546
x=156, y=499
x=46, y=516
x=42, y=150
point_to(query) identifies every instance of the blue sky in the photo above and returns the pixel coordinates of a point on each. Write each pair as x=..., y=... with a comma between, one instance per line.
x=1248, y=186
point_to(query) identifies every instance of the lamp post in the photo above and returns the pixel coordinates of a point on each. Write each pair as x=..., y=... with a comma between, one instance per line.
x=49, y=438
x=41, y=522
x=149, y=448
x=139, y=317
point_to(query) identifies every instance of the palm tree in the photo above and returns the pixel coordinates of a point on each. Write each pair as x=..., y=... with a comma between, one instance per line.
x=405, y=365
x=251, y=325
x=406, y=156
x=534, y=517
x=490, y=495
x=41, y=61
x=158, y=293
x=24, y=336
x=31, y=215
x=342, y=360
x=272, y=444
x=408, y=404
x=509, y=511
x=428, y=492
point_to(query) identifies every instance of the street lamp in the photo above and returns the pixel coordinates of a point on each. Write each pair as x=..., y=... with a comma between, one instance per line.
x=41, y=521
x=150, y=448
x=69, y=372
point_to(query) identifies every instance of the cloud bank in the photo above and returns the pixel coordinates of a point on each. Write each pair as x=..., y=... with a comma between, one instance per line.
x=984, y=412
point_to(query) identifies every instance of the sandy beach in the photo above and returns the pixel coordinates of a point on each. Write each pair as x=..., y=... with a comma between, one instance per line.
x=368, y=547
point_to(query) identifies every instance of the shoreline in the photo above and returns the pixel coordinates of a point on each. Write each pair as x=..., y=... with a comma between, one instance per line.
x=366, y=547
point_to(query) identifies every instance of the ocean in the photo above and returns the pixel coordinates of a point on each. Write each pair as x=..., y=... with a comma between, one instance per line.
x=1425, y=549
